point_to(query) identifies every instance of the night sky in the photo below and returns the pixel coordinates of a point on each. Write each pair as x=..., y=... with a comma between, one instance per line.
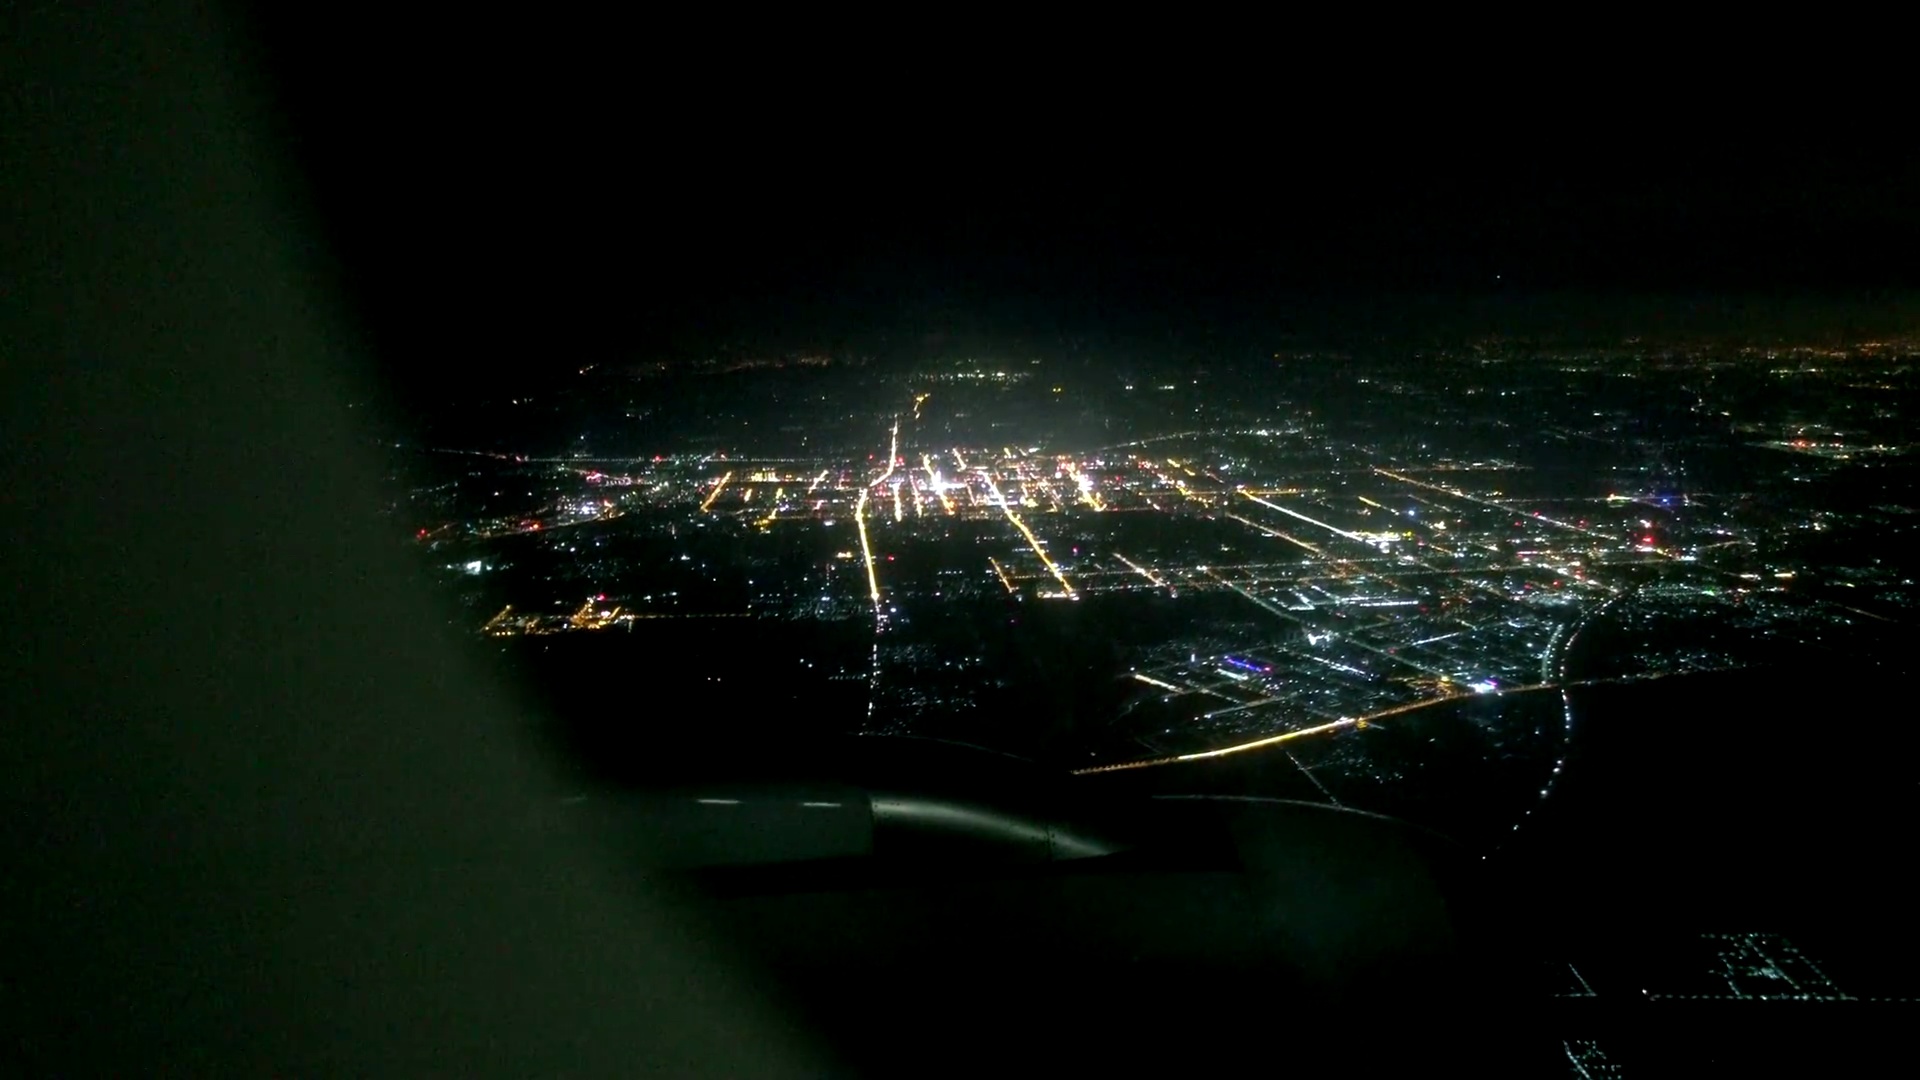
x=485, y=200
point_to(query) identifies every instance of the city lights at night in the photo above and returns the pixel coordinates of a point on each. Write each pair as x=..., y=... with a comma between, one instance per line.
x=1370, y=568
x=539, y=551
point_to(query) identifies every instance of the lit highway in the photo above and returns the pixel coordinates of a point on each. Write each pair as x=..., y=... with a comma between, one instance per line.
x=1001, y=573
x=1271, y=505
x=1032, y=540
x=866, y=552
x=715, y=493
x=1356, y=722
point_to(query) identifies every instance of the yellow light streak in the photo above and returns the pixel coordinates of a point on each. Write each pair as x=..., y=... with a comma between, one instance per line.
x=1271, y=740
x=1123, y=765
x=996, y=569
x=893, y=452
x=1032, y=540
x=866, y=550
x=1151, y=681
x=1383, y=714
x=715, y=493
x=1311, y=521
